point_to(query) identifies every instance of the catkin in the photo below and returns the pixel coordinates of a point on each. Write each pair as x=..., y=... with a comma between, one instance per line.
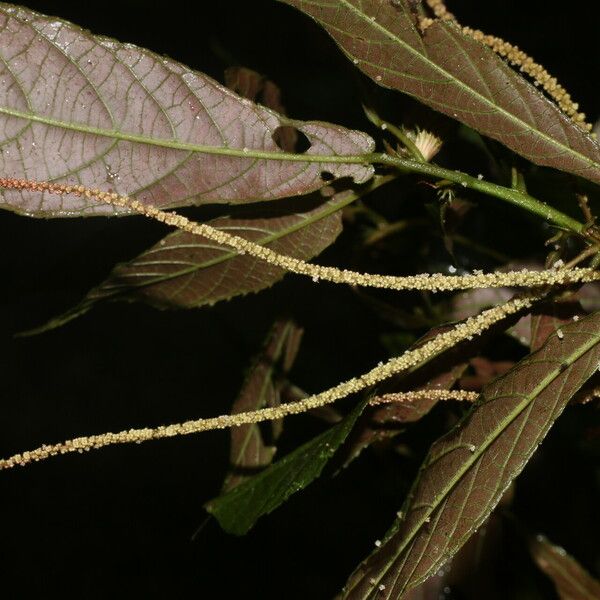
x=465, y=330
x=416, y=395
x=515, y=57
x=435, y=282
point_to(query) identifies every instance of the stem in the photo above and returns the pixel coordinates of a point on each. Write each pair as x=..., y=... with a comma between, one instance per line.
x=516, y=197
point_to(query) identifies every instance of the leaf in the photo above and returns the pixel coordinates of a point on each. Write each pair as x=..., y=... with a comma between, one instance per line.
x=485, y=370
x=184, y=270
x=455, y=75
x=256, y=87
x=466, y=471
x=188, y=271
x=82, y=109
x=547, y=318
x=572, y=581
x=238, y=510
x=249, y=453
x=472, y=572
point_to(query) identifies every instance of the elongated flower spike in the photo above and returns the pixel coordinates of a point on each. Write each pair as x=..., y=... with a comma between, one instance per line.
x=435, y=282
x=518, y=58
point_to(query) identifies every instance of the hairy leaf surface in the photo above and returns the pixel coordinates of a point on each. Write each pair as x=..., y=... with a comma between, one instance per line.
x=249, y=451
x=238, y=510
x=82, y=109
x=466, y=471
x=457, y=76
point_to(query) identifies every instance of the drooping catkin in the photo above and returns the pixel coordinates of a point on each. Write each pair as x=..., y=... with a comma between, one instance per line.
x=515, y=57
x=416, y=395
x=435, y=282
x=465, y=330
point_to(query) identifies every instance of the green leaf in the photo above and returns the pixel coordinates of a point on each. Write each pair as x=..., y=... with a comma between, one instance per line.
x=86, y=110
x=249, y=452
x=572, y=581
x=238, y=510
x=466, y=471
x=455, y=75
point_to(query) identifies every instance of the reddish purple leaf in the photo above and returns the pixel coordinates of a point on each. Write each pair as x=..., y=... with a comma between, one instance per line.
x=455, y=75
x=467, y=470
x=548, y=318
x=256, y=87
x=82, y=109
x=572, y=581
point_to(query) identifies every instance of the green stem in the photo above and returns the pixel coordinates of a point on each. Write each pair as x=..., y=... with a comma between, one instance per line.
x=516, y=197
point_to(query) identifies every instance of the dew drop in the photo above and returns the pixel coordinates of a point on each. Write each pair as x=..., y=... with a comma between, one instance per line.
x=378, y=543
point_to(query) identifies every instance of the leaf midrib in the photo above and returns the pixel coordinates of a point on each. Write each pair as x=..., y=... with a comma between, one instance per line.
x=174, y=144
x=459, y=83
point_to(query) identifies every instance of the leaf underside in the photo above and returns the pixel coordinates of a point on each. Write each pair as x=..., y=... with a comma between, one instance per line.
x=466, y=472
x=238, y=510
x=82, y=109
x=457, y=76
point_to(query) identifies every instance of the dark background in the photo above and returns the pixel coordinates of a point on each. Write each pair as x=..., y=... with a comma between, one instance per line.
x=120, y=521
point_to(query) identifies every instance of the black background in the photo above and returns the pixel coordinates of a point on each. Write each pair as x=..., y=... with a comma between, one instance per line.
x=120, y=521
